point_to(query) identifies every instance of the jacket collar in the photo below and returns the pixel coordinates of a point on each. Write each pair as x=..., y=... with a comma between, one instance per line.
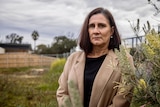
x=79, y=69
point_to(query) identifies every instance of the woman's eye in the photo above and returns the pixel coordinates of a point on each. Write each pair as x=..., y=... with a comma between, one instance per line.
x=91, y=26
x=101, y=25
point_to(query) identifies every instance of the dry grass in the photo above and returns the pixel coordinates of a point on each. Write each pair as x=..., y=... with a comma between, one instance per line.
x=29, y=88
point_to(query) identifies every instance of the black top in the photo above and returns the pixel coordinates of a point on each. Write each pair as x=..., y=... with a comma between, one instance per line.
x=92, y=66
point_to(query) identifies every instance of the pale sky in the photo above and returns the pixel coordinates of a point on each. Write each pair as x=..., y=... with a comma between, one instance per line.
x=60, y=17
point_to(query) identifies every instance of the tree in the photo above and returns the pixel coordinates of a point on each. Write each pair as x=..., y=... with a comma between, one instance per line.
x=14, y=38
x=62, y=44
x=155, y=6
x=19, y=39
x=35, y=37
x=43, y=49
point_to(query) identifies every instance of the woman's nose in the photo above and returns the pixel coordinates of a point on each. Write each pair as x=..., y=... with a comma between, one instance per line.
x=96, y=30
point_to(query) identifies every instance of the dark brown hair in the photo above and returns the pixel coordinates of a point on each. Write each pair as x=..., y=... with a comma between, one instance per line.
x=84, y=41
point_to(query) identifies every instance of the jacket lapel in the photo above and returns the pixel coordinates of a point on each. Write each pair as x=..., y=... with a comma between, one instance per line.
x=79, y=69
x=102, y=78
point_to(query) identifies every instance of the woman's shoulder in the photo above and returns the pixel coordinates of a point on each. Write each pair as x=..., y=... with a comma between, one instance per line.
x=77, y=53
x=112, y=54
x=75, y=56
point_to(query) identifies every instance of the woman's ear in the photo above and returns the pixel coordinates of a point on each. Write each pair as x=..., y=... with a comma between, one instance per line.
x=112, y=30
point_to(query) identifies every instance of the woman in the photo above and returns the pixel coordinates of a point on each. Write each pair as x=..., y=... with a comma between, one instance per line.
x=94, y=70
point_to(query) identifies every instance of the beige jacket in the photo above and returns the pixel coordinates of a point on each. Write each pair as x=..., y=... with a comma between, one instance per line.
x=103, y=92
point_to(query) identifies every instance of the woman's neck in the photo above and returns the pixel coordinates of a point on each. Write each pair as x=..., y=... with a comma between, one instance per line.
x=97, y=52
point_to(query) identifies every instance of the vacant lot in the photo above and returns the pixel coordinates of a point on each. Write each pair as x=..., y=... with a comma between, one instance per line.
x=28, y=87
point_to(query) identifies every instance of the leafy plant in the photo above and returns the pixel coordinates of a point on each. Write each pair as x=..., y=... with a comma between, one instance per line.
x=146, y=77
x=74, y=100
x=51, y=78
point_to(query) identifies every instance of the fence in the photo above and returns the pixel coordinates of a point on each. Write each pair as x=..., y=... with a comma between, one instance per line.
x=134, y=41
x=63, y=55
x=8, y=60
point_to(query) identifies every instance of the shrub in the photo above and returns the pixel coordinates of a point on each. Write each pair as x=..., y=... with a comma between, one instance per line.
x=57, y=65
x=52, y=76
x=146, y=78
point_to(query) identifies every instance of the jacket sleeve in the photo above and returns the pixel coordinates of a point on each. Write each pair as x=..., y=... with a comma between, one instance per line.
x=62, y=91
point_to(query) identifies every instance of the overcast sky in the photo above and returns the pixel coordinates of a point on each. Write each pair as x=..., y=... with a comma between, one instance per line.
x=60, y=17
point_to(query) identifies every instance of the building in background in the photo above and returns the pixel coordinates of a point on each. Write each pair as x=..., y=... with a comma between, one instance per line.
x=10, y=47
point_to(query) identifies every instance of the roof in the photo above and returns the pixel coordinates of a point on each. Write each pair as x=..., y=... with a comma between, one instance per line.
x=15, y=46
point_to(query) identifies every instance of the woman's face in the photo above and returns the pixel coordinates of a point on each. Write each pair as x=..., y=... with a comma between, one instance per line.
x=99, y=30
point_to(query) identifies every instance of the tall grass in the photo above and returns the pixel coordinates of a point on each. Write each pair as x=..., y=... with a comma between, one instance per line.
x=51, y=78
x=30, y=92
